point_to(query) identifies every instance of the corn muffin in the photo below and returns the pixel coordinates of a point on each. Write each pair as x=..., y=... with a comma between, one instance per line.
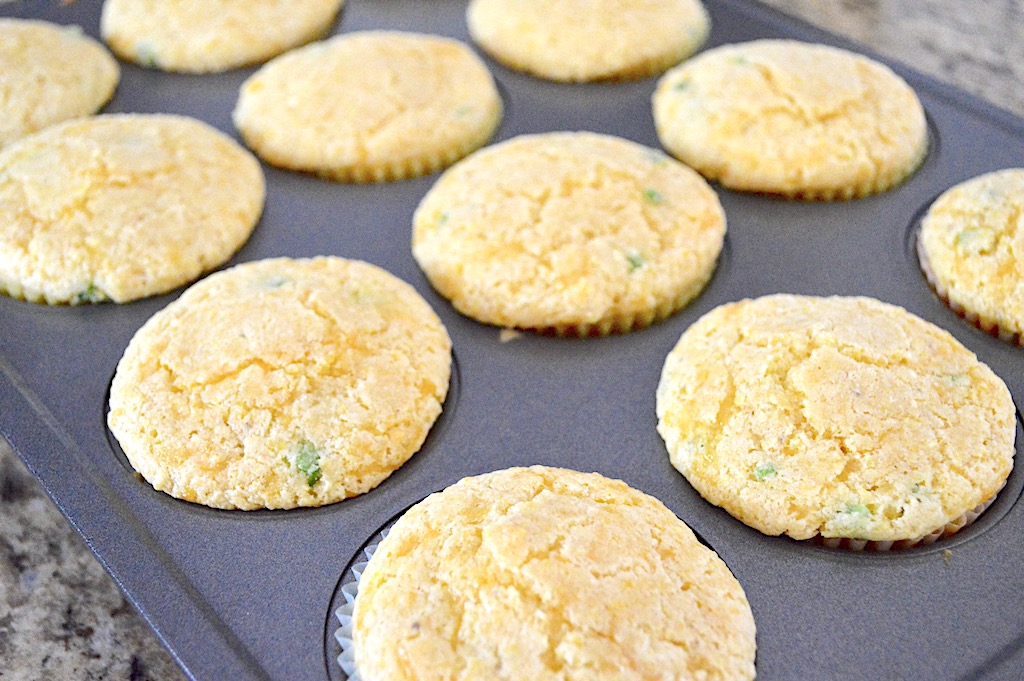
x=369, y=106
x=571, y=233
x=794, y=119
x=971, y=247
x=545, y=573
x=204, y=36
x=281, y=383
x=835, y=417
x=583, y=40
x=49, y=74
x=121, y=207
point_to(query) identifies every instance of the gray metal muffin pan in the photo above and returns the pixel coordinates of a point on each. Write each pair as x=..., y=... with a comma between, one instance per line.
x=239, y=595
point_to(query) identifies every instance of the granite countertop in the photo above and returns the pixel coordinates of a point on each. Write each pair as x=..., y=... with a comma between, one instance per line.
x=62, y=617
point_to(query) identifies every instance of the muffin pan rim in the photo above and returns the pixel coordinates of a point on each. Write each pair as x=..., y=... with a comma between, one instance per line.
x=37, y=424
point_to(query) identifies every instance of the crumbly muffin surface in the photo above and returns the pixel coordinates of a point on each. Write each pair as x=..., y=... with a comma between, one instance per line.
x=582, y=40
x=547, y=574
x=281, y=383
x=121, y=207
x=972, y=247
x=570, y=231
x=204, y=36
x=790, y=118
x=370, y=106
x=49, y=74
x=844, y=417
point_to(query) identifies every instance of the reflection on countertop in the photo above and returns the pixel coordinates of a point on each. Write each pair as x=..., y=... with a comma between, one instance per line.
x=62, y=617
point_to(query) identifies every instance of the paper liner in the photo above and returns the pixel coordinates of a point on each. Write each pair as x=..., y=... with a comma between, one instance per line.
x=987, y=325
x=349, y=588
x=624, y=323
x=651, y=66
x=879, y=185
x=369, y=172
x=416, y=167
x=949, y=529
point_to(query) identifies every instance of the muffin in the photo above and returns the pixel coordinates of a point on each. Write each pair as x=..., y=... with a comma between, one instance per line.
x=839, y=418
x=204, y=36
x=971, y=247
x=121, y=207
x=793, y=119
x=399, y=105
x=532, y=573
x=571, y=233
x=281, y=383
x=583, y=40
x=49, y=74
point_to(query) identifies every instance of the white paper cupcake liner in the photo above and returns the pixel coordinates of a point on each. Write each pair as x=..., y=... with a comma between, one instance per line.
x=987, y=325
x=627, y=321
x=349, y=588
x=949, y=529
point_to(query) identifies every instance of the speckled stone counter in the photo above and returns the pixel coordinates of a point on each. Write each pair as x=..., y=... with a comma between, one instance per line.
x=62, y=617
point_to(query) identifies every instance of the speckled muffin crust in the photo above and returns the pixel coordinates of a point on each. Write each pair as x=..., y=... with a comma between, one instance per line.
x=844, y=417
x=398, y=105
x=121, y=207
x=49, y=74
x=582, y=40
x=281, y=383
x=578, y=233
x=789, y=118
x=972, y=250
x=204, y=36
x=548, y=574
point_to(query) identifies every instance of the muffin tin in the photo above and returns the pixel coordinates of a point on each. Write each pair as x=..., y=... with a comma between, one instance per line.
x=238, y=595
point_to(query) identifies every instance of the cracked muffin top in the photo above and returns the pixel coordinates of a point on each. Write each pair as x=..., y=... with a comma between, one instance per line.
x=790, y=118
x=971, y=246
x=281, y=383
x=369, y=106
x=583, y=40
x=578, y=233
x=121, y=207
x=48, y=74
x=205, y=36
x=548, y=574
x=839, y=417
